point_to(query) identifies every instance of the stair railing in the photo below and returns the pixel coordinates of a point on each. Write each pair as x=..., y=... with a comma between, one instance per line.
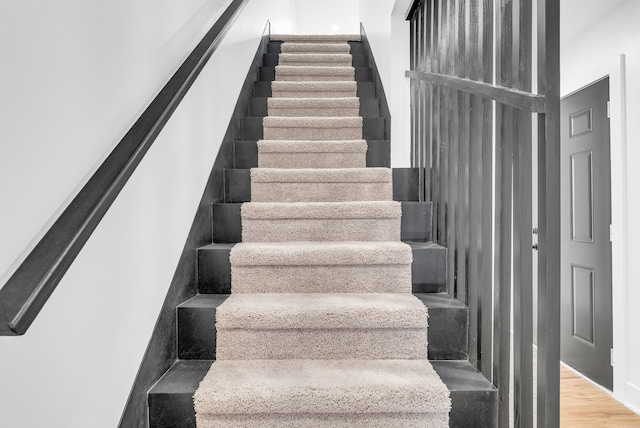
x=474, y=117
x=29, y=288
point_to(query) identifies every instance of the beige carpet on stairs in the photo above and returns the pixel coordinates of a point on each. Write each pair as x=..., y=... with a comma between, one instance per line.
x=314, y=89
x=293, y=47
x=305, y=154
x=316, y=73
x=321, y=328
x=321, y=221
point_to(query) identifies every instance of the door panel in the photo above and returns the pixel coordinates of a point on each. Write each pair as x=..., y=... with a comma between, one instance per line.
x=586, y=324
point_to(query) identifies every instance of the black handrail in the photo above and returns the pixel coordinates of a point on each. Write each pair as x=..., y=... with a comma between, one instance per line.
x=29, y=288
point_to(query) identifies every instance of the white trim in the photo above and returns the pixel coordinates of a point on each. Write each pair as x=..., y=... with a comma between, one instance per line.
x=615, y=69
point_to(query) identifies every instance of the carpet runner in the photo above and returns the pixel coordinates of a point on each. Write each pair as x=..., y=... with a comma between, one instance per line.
x=321, y=328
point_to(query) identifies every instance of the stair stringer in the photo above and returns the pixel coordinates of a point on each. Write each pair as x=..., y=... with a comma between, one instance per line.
x=161, y=350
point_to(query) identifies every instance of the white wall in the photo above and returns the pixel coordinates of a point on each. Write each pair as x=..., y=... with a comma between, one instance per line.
x=74, y=76
x=326, y=17
x=388, y=35
x=590, y=54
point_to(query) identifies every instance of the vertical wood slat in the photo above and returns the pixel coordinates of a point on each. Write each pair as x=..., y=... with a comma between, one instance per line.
x=548, y=216
x=437, y=125
x=420, y=90
x=456, y=140
x=473, y=67
x=503, y=213
x=412, y=87
x=485, y=302
x=427, y=102
x=502, y=294
x=451, y=126
x=523, y=324
x=444, y=130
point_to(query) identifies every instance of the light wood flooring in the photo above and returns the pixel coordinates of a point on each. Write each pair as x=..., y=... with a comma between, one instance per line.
x=584, y=405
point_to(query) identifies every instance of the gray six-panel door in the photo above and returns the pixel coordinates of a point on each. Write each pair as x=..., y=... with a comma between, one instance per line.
x=586, y=323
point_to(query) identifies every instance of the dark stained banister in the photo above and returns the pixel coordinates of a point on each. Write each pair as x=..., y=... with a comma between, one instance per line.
x=473, y=114
x=29, y=288
x=509, y=96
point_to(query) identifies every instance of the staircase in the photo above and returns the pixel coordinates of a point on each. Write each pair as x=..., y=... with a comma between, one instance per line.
x=326, y=255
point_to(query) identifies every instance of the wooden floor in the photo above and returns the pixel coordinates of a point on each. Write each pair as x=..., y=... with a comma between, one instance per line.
x=584, y=405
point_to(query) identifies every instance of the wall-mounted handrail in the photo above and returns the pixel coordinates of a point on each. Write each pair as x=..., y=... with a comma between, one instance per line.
x=471, y=79
x=28, y=289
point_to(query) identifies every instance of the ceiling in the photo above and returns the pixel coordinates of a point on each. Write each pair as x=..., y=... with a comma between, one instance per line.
x=578, y=15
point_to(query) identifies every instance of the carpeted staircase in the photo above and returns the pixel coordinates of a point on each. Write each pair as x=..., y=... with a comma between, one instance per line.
x=321, y=328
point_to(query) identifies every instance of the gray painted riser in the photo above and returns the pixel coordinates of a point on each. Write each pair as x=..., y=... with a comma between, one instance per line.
x=448, y=319
x=428, y=268
x=415, y=222
x=474, y=399
x=246, y=154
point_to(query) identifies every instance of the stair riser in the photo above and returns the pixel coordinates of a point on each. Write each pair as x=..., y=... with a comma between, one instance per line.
x=274, y=47
x=322, y=279
x=483, y=406
x=369, y=107
x=314, y=134
x=320, y=192
x=227, y=222
x=361, y=74
x=287, y=230
x=364, y=90
x=314, y=112
x=428, y=270
x=372, y=129
x=171, y=410
x=378, y=154
x=244, y=344
x=358, y=60
x=238, y=184
x=314, y=160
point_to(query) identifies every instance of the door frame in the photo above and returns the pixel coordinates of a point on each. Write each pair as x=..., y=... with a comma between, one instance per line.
x=615, y=70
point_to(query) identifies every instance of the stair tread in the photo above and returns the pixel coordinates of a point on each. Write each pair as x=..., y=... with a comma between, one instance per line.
x=314, y=102
x=321, y=210
x=342, y=47
x=203, y=301
x=311, y=146
x=430, y=300
x=312, y=122
x=461, y=375
x=413, y=244
x=439, y=300
x=321, y=386
x=315, y=38
x=320, y=175
x=322, y=311
x=184, y=376
x=343, y=253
